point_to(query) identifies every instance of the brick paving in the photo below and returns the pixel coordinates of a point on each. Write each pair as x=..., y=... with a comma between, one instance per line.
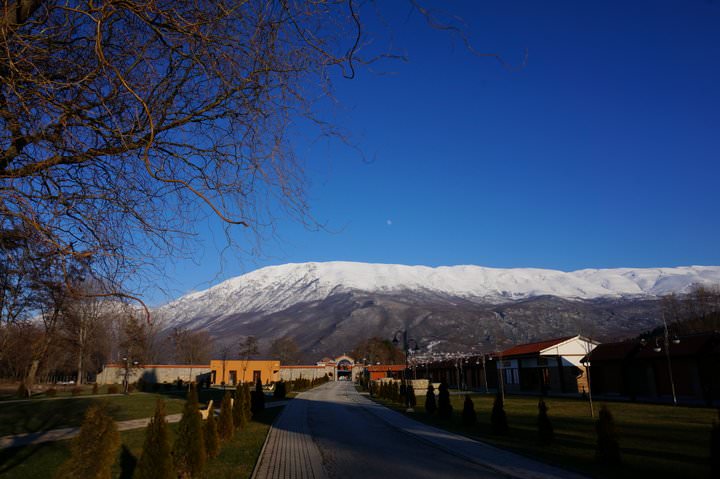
x=289, y=451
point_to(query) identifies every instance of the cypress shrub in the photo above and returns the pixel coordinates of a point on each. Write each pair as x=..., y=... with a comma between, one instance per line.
x=498, y=418
x=212, y=438
x=95, y=388
x=444, y=407
x=280, y=391
x=239, y=419
x=156, y=460
x=410, y=396
x=469, y=416
x=258, y=399
x=715, y=448
x=430, y=404
x=225, y=427
x=189, y=449
x=546, y=434
x=95, y=450
x=608, y=449
x=247, y=403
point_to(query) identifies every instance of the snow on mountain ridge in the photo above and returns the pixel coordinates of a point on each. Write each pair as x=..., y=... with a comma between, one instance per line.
x=275, y=288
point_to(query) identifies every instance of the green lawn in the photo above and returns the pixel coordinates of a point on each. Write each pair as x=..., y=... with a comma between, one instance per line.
x=40, y=415
x=236, y=460
x=656, y=441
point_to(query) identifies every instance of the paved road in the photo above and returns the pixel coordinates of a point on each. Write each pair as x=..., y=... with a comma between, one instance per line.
x=329, y=433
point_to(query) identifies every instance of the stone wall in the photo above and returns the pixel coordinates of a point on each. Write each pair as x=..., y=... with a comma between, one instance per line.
x=160, y=373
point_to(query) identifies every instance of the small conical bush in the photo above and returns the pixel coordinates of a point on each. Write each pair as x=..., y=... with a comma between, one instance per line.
x=469, y=416
x=95, y=449
x=608, y=448
x=212, y=438
x=430, y=403
x=546, y=433
x=498, y=418
x=156, y=460
x=226, y=427
x=189, y=449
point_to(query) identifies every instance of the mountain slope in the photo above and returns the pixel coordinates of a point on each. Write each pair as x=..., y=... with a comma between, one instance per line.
x=329, y=307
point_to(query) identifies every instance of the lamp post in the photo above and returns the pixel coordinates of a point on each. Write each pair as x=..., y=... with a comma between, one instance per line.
x=406, y=349
x=126, y=376
x=675, y=340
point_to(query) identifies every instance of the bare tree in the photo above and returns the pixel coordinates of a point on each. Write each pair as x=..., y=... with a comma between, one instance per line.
x=248, y=349
x=191, y=347
x=117, y=118
x=286, y=350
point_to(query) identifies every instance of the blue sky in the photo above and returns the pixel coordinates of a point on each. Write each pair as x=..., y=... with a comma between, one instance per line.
x=603, y=151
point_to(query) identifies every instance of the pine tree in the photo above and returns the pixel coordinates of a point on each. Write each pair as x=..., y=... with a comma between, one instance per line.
x=546, y=433
x=498, y=418
x=95, y=450
x=430, y=404
x=469, y=416
x=239, y=419
x=444, y=407
x=411, y=399
x=156, y=459
x=247, y=403
x=715, y=448
x=189, y=450
x=212, y=438
x=258, y=399
x=226, y=427
x=608, y=449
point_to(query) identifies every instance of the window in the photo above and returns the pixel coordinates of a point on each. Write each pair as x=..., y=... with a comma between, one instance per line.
x=233, y=378
x=257, y=376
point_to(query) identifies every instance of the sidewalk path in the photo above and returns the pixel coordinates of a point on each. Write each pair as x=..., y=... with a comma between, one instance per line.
x=332, y=431
x=70, y=432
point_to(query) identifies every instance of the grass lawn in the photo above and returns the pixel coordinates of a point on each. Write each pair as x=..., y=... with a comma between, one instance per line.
x=236, y=459
x=656, y=441
x=40, y=415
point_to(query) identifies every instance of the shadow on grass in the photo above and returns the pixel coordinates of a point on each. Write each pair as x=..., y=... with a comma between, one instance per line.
x=11, y=458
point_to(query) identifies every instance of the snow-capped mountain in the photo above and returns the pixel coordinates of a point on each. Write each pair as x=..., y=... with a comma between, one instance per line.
x=275, y=288
x=329, y=307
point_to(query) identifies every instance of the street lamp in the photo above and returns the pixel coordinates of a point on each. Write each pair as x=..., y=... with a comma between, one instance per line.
x=407, y=350
x=675, y=340
x=126, y=376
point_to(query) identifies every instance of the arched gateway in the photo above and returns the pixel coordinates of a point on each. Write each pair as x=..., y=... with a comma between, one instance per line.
x=344, y=368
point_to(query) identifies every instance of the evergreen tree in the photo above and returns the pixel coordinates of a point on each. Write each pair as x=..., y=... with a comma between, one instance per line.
x=156, y=459
x=189, y=449
x=715, y=448
x=498, y=418
x=95, y=450
x=546, y=433
x=469, y=416
x=212, y=438
x=247, y=403
x=280, y=391
x=444, y=407
x=258, y=399
x=430, y=404
x=226, y=428
x=239, y=418
x=608, y=449
x=410, y=394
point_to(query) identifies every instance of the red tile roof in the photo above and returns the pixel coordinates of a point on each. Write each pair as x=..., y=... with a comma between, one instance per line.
x=533, y=348
x=386, y=367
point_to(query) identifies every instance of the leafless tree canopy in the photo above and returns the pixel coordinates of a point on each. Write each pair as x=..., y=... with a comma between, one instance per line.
x=124, y=121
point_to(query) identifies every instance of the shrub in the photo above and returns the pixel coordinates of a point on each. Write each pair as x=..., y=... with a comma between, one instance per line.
x=189, y=449
x=95, y=388
x=498, y=418
x=247, y=402
x=469, y=416
x=608, y=449
x=280, y=391
x=715, y=448
x=226, y=428
x=51, y=393
x=113, y=389
x=76, y=391
x=546, y=434
x=444, y=407
x=94, y=451
x=430, y=404
x=257, y=404
x=156, y=460
x=22, y=391
x=410, y=396
x=238, y=412
x=212, y=438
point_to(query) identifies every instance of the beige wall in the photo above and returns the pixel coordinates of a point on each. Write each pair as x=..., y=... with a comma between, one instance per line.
x=153, y=373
